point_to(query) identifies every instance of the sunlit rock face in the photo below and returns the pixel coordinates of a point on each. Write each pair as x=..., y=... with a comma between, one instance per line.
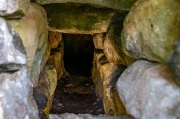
x=114, y=4
x=148, y=91
x=13, y=8
x=151, y=28
x=16, y=101
x=32, y=28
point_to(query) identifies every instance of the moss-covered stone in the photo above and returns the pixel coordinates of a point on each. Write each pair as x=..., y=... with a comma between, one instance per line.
x=114, y=4
x=78, y=18
x=151, y=28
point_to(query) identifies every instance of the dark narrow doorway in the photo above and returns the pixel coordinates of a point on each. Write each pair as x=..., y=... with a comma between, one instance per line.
x=75, y=91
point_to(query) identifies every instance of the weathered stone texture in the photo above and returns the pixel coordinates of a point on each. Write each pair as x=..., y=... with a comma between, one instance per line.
x=98, y=40
x=32, y=28
x=114, y=4
x=174, y=60
x=16, y=100
x=44, y=91
x=78, y=18
x=149, y=92
x=104, y=76
x=85, y=116
x=151, y=28
x=113, y=56
x=13, y=8
x=54, y=38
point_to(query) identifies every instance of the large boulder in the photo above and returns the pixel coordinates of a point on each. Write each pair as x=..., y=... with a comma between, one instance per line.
x=13, y=8
x=78, y=18
x=151, y=28
x=114, y=4
x=148, y=91
x=32, y=29
x=15, y=84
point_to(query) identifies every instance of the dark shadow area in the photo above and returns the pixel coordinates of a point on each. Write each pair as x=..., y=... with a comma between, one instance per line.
x=75, y=92
x=78, y=54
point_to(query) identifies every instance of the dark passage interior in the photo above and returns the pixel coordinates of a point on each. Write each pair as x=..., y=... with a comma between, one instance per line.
x=75, y=90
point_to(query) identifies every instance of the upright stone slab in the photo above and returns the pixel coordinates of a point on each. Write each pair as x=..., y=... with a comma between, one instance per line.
x=32, y=28
x=16, y=100
x=151, y=28
x=148, y=91
x=13, y=8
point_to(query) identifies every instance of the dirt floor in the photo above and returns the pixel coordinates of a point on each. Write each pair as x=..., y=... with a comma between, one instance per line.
x=75, y=91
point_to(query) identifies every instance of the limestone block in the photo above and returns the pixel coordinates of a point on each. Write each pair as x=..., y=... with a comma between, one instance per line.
x=54, y=38
x=13, y=8
x=104, y=76
x=98, y=41
x=78, y=18
x=32, y=29
x=113, y=56
x=114, y=4
x=174, y=60
x=151, y=28
x=44, y=91
x=16, y=100
x=148, y=91
x=85, y=116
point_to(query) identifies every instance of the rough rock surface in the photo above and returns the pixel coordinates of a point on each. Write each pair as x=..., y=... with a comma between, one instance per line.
x=104, y=76
x=13, y=8
x=113, y=56
x=56, y=59
x=32, y=28
x=151, y=28
x=114, y=4
x=78, y=18
x=15, y=84
x=85, y=116
x=44, y=91
x=54, y=39
x=174, y=60
x=98, y=41
x=149, y=91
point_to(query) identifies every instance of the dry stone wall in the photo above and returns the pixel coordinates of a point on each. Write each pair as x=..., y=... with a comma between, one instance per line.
x=148, y=46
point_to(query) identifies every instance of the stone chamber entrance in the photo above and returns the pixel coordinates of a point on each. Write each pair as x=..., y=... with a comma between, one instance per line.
x=89, y=59
x=75, y=91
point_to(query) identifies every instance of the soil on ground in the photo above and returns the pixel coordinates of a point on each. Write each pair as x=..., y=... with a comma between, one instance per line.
x=75, y=92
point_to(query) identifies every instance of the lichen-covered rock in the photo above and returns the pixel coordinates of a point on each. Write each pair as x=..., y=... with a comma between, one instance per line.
x=13, y=8
x=85, y=116
x=16, y=100
x=114, y=4
x=44, y=91
x=78, y=18
x=54, y=38
x=148, y=91
x=174, y=61
x=32, y=28
x=104, y=76
x=151, y=28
